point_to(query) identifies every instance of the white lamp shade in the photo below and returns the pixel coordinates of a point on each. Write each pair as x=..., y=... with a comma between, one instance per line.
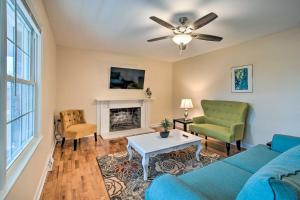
x=182, y=39
x=186, y=103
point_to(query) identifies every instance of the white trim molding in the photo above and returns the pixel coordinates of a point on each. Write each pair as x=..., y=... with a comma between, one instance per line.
x=155, y=125
x=3, y=95
x=18, y=166
x=43, y=178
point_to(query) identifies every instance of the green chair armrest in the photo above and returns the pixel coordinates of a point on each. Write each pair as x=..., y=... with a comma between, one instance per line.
x=237, y=130
x=199, y=120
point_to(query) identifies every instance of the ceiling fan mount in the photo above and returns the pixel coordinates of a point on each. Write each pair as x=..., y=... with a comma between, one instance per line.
x=183, y=33
x=183, y=20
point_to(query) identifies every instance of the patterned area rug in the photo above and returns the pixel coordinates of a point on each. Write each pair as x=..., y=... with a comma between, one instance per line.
x=124, y=179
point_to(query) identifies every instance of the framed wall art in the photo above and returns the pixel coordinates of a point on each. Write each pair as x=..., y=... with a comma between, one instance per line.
x=242, y=79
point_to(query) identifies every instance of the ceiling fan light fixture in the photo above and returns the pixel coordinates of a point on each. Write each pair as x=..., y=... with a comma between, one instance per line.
x=182, y=39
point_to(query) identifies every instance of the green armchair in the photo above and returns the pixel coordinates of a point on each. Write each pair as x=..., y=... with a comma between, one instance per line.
x=222, y=120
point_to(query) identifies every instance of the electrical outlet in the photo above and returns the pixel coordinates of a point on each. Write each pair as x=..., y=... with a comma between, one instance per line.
x=50, y=164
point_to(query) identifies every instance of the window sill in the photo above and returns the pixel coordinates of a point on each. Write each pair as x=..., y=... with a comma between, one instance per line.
x=13, y=173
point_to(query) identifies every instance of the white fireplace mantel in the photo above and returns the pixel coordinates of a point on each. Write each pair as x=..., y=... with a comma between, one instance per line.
x=103, y=109
x=123, y=99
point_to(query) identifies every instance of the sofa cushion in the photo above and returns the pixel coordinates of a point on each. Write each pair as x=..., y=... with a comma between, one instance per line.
x=213, y=180
x=252, y=159
x=215, y=131
x=282, y=143
x=168, y=187
x=268, y=183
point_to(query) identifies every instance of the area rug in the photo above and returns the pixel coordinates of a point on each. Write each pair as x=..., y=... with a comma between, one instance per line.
x=124, y=179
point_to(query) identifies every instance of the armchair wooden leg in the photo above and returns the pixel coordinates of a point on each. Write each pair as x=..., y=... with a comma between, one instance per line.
x=63, y=142
x=75, y=144
x=238, y=145
x=228, y=148
x=95, y=135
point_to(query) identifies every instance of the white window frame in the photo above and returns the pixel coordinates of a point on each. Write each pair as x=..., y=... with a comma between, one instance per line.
x=9, y=176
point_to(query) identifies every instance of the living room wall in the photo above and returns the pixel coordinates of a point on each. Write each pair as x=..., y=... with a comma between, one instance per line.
x=29, y=184
x=274, y=102
x=83, y=76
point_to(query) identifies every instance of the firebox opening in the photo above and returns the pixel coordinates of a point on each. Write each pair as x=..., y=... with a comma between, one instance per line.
x=124, y=119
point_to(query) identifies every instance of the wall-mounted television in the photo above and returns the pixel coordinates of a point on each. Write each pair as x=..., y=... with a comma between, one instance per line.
x=126, y=78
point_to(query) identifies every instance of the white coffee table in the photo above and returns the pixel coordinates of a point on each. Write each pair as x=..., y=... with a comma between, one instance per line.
x=151, y=144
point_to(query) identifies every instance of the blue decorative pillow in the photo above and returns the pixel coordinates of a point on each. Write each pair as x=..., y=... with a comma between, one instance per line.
x=267, y=182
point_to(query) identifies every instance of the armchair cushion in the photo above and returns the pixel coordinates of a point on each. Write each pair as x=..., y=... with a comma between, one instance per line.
x=80, y=130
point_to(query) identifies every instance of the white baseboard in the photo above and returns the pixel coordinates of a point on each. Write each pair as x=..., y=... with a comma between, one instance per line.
x=246, y=146
x=44, y=174
x=155, y=125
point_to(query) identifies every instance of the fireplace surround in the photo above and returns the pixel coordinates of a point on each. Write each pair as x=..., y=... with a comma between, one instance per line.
x=123, y=117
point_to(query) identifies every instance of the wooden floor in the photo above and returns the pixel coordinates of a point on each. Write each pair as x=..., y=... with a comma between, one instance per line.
x=76, y=174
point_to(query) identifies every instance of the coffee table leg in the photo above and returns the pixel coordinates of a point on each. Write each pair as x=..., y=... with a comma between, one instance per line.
x=197, y=154
x=129, y=149
x=145, y=163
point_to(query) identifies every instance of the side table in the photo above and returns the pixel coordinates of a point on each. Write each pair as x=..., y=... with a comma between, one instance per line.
x=182, y=121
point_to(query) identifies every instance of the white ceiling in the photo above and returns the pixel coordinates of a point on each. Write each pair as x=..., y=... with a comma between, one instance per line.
x=123, y=26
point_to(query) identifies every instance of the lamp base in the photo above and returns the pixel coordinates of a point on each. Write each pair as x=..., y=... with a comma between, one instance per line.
x=186, y=114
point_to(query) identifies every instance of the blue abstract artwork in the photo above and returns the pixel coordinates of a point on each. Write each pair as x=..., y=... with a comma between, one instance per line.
x=241, y=79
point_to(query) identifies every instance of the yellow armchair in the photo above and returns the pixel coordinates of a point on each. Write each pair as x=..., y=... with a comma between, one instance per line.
x=74, y=126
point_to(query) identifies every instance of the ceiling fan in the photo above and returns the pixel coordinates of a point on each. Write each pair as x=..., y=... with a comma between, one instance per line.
x=183, y=33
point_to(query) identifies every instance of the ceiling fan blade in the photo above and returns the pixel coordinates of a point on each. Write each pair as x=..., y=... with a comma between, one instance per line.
x=159, y=38
x=207, y=37
x=162, y=22
x=204, y=20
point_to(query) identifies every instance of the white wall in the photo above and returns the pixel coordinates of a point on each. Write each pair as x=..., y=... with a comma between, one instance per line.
x=83, y=76
x=275, y=106
x=28, y=182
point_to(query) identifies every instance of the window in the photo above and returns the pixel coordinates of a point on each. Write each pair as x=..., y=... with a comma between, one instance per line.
x=20, y=42
x=21, y=82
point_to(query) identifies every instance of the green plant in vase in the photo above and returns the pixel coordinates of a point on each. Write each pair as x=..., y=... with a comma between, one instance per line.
x=166, y=124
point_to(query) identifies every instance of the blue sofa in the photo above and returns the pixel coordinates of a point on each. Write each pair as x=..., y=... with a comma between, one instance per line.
x=261, y=172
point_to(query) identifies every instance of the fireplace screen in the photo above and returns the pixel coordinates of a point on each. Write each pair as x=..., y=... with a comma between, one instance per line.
x=124, y=119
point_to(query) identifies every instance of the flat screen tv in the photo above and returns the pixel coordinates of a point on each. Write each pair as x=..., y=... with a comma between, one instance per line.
x=126, y=78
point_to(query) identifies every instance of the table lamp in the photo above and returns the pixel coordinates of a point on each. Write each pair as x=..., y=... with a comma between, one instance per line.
x=186, y=104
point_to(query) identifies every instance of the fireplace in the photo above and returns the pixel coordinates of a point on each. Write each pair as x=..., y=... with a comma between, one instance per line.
x=121, y=119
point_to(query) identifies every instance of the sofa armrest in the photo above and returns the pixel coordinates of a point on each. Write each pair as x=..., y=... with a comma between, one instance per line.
x=168, y=187
x=237, y=130
x=281, y=143
x=199, y=120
